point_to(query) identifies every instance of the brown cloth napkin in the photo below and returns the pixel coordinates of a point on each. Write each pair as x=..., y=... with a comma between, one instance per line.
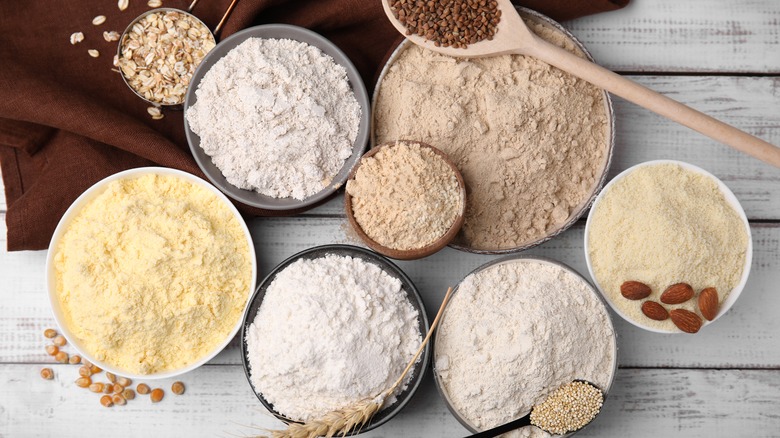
x=67, y=120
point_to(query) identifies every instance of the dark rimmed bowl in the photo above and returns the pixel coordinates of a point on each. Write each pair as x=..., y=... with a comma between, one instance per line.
x=279, y=31
x=414, y=253
x=387, y=266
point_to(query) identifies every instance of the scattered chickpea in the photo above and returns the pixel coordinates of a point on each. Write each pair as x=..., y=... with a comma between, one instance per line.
x=143, y=388
x=128, y=394
x=61, y=357
x=96, y=387
x=118, y=400
x=177, y=388
x=83, y=382
x=50, y=333
x=75, y=359
x=106, y=401
x=86, y=363
x=108, y=388
x=124, y=381
x=47, y=373
x=157, y=395
x=52, y=350
x=60, y=341
x=117, y=389
x=111, y=377
x=84, y=371
x=95, y=369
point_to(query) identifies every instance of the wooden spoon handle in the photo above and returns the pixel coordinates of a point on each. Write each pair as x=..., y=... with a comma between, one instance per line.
x=658, y=103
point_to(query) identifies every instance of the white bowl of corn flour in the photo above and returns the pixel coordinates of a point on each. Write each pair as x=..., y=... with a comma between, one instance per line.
x=660, y=234
x=331, y=326
x=149, y=272
x=276, y=117
x=532, y=142
x=514, y=331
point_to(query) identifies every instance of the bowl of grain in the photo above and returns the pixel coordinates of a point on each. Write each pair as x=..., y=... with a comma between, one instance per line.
x=149, y=272
x=668, y=245
x=277, y=116
x=330, y=326
x=405, y=199
x=560, y=331
x=533, y=143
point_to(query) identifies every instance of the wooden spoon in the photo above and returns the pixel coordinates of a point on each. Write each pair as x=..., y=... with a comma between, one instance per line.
x=513, y=37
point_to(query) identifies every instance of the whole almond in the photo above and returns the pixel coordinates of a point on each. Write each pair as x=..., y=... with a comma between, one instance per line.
x=634, y=290
x=655, y=311
x=708, y=303
x=677, y=293
x=686, y=320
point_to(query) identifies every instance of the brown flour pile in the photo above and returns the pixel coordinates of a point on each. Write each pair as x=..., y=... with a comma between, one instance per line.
x=529, y=139
x=405, y=196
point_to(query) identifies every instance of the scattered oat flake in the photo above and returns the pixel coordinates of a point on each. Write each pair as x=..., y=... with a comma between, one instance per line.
x=111, y=36
x=155, y=113
x=100, y=19
x=93, y=53
x=154, y=3
x=76, y=37
x=123, y=4
x=116, y=61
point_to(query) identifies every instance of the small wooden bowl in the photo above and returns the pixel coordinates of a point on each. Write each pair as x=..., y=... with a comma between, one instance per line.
x=416, y=253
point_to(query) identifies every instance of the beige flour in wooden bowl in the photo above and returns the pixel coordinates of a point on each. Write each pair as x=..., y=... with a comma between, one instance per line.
x=532, y=142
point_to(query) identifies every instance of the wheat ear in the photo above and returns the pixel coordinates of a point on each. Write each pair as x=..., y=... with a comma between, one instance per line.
x=358, y=414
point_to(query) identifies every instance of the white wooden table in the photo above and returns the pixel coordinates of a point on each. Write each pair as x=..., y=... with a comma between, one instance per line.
x=720, y=56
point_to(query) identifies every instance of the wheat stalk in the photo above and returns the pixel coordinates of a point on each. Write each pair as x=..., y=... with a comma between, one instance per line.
x=358, y=414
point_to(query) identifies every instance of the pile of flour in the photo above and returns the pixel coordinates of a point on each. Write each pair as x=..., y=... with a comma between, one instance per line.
x=330, y=331
x=276, y=116
x=514, y=333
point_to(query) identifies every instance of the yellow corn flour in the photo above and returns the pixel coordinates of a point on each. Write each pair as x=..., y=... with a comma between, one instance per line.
x=153, y=273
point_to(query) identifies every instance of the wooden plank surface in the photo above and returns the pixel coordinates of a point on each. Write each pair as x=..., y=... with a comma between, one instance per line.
x=218, y=402
x=745, y=337
x=685, y=36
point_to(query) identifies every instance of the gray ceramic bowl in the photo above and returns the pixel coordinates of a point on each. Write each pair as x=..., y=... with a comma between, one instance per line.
x=515, y=259
x=279, y=31
x=420, y=367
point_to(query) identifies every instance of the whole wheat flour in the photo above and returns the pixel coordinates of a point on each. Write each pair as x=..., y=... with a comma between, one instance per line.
x=276, y=116
x=513, y=333
x=663, y=224
x=529, y=139
x=330, y=331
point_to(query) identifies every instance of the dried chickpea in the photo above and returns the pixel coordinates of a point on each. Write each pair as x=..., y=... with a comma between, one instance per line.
x=143, y=388
x=52, y=350
x=47, y=373
x=83, y=382
x=106, y=401
x=157, y=395
x=124, y=381
x=128, y=394
x=177, y=388
x=96, y=387
x=108, y=388
x=86, y=363
x=117, y=389
x=111, y=377
x=118, y=400
x=75, y=359
x=95, y=369
x=50, y=333
x=84, y=371
x=61, y=357
x=60, y=341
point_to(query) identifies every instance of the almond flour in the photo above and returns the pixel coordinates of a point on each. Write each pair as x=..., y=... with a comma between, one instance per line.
x=530, y=140
x=660, y=225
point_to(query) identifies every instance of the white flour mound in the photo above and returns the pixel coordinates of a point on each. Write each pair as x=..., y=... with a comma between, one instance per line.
x=330, y=331
x=513, y=334
x=276, y=116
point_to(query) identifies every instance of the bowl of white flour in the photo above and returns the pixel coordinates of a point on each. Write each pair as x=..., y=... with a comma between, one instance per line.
x=277, y=116
x=331, y=326
x=515, y=330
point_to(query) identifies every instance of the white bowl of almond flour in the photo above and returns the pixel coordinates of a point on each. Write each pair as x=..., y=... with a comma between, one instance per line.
x=662, y=224
x=276, y=116
x=533, y=143
x=330, y=326
x=515, y=330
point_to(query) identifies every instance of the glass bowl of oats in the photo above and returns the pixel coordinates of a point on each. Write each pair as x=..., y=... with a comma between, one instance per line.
x=158, y=53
